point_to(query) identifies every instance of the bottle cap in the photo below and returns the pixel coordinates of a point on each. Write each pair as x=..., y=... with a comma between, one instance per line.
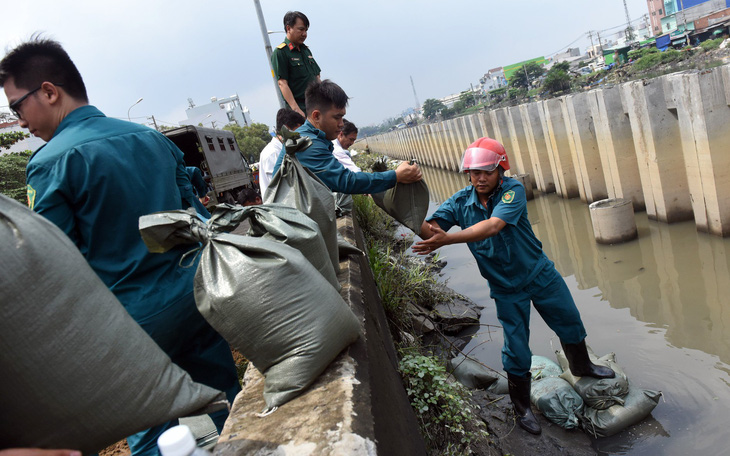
x=176, y=441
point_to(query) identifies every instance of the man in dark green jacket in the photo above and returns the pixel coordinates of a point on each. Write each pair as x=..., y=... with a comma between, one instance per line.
x=293, y=63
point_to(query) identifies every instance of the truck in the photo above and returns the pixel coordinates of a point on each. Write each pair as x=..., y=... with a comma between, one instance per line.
x=218, y=156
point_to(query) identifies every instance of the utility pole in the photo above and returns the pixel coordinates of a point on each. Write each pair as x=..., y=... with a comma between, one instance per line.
x=600, y=45
x=593, y=47
x=415, y=96
x=267, y=46
x=154, y=122
x=629, y=28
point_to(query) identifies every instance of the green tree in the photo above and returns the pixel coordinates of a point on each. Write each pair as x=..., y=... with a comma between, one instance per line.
x=557, y=79
x=432, y=107
x=251, y=139
x=12, y=167
x=467, y=98
x=8, y=139
x=520, y=79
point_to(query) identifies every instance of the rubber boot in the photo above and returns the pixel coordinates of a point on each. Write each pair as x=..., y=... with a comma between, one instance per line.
x=519, y=392
x=580, y=363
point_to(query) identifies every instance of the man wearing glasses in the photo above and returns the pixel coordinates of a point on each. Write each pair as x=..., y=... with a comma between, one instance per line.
x=94, y=178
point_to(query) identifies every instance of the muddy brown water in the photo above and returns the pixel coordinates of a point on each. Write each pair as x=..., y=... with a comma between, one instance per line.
x=661, y=303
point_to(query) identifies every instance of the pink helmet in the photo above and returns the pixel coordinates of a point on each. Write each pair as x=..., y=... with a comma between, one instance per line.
x=486, y=154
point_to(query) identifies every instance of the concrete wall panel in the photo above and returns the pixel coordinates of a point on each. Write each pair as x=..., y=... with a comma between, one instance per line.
x=585, y=148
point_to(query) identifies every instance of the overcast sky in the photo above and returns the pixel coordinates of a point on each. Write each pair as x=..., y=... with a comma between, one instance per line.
x=167, y=52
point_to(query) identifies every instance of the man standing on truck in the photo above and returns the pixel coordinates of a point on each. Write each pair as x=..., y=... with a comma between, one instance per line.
x=326, y=103
x=293, y=63
x=94, y=178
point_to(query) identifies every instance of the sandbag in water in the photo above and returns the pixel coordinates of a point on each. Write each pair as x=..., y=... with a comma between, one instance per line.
x=599, y=393
x=557, y=400
x=472, y=373
x=638, y=404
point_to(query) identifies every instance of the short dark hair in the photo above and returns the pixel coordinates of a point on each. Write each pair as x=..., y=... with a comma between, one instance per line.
x=288, y=118
x=290, y=18
x=348, y=128
x=323, y=96
x=42, y=60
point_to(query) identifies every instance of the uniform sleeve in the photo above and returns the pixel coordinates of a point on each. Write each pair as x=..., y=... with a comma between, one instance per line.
x=50, y=195
x=279, y=64
x=511, y=206
x=446, y=214
x=197, y=179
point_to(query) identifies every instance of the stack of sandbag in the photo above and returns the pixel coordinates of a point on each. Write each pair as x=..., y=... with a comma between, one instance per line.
x=77, y=371
x=282, y=223
x=553, y=396
x=407, y=203
x=296, y=186
x=264, y=297
x=611, y=404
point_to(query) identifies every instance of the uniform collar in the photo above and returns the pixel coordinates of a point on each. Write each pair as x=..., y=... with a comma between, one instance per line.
x=291, y=47
x=474, y=197
x=78, y=115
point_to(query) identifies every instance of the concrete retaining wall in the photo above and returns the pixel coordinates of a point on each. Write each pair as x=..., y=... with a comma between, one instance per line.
x=662, y=143
x=356, y=407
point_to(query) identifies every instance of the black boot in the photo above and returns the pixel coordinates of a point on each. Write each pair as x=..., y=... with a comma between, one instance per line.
x=519, y=392
x=580, y=363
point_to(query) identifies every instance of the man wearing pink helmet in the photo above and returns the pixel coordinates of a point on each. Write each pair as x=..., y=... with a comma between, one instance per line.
x=492, y=213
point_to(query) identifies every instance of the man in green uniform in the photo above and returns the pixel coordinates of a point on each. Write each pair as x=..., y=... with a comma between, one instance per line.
x=293, y=63
x=94, y=178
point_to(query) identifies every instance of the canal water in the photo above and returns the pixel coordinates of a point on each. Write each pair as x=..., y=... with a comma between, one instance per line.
x=661, y=303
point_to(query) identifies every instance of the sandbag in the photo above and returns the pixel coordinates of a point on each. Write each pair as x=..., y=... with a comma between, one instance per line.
x=542, y=367
x=296, y=186
x=346, y=249
x=599, y=393
x=471, y=373
x=407, y=203
x=557, y=400
x=638, y=404
x=281, y=223
x=343, y=204
x=77, y=371
x=265, y=298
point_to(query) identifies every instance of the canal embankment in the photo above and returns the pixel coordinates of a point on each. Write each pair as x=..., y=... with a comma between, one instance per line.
x=661, y=143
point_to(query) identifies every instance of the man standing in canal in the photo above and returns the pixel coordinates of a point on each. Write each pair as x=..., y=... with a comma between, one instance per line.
x=492, y=214
x=94, y=178
x=293, y=63
x=326, y=108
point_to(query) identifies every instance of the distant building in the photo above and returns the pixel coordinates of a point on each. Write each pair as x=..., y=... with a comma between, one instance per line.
x=492, y=80
x=657, y=11
x=680, y=15
x=218, y=113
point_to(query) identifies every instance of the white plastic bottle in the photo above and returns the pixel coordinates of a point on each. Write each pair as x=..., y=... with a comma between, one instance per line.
x=179, y=441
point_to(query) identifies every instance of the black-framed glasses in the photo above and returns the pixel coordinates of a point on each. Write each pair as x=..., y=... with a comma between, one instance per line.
x=15, y=106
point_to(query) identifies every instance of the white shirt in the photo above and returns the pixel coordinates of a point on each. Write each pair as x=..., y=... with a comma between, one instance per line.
x=343, y=157
x=267, y=160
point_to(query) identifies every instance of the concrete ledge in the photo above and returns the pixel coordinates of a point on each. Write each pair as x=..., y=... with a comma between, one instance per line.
x=356, y=407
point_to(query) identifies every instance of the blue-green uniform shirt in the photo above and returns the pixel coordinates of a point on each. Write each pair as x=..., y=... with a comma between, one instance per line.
x=513, y=257
x=318, y=158
x=94, y=179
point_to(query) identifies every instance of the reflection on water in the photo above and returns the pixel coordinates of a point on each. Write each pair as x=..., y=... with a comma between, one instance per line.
x=661, y=302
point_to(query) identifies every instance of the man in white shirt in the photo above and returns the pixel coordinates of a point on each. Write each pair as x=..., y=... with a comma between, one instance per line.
x=291, y=120
x=342, y=143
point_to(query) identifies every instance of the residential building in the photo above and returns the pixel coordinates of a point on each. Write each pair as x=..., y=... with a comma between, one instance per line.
x=218, y=113
x=492, y=79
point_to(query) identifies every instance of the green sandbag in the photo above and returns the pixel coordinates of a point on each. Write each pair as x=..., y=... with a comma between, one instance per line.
x=599, y=393
x=343, y=204
x=542, y=367
x=407, y=203
x=638, y=404
x=557, y=400
x=471, y=373
x=281, y=223
x=77, y=371
x=265, y=298
x=345, y=248
x=296, y=186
